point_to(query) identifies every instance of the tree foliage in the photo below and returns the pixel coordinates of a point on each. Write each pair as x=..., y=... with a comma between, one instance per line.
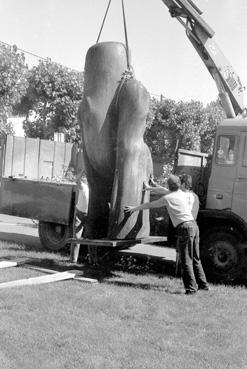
x=215, y=114
x=13, y=82
x=51, y=101
x=186, y=125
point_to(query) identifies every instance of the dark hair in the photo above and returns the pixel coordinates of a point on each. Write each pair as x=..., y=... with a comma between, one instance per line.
x=186, y=180
x=173, y=183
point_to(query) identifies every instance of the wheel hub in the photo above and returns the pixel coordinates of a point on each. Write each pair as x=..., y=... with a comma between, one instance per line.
x=224, y=256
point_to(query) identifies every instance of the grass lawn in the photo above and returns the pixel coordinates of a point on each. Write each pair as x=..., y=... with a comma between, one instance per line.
x=127, y=321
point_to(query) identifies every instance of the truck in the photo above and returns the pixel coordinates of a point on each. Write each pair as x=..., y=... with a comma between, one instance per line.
x=37, y=182
x=222, y=185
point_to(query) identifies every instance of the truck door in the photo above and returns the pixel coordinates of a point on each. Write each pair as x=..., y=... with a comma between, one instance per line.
x=239, y=204
x=224, y=172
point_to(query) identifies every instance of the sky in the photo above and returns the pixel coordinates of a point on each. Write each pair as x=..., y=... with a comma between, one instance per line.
x=162, y=57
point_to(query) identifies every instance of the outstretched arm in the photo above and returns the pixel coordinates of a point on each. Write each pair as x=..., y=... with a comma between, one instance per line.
x=147, y=205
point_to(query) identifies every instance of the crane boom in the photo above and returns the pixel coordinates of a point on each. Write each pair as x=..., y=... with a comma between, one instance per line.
x=201, y=35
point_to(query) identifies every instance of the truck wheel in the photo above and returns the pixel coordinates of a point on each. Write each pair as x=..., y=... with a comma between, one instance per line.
x=221, y=255
x=53, y=236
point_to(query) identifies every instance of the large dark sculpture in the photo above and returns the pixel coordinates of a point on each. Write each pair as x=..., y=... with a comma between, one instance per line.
x=112, y=116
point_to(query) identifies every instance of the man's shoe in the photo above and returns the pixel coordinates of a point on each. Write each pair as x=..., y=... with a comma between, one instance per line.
x=204, y=288
x=188, y=292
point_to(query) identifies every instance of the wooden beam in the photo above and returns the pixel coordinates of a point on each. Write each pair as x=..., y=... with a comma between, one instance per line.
x=7, y=264
x=116, y=243
x=38, y=280
x=84, y=279
x=77, y=273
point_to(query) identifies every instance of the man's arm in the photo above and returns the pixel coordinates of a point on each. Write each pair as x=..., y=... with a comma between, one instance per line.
x=147, y=205
x=155, y=188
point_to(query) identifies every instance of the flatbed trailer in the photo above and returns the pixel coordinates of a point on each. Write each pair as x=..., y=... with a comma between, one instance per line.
x=33, y=186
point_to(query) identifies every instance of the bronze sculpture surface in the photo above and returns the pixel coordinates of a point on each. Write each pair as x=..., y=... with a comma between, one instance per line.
x=112, y=117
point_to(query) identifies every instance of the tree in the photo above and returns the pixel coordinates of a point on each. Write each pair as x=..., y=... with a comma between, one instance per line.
x=185, y=125
x=52, y=101
x=13, y=82
x=215, y=114
x=174, y=124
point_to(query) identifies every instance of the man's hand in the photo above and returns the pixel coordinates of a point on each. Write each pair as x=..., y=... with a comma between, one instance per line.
x=146, y=187
x=129, y=210
x=151, y=181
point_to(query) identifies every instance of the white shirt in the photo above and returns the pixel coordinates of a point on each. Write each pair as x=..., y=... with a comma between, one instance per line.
x=83, y=197
x=178, y=208
x=193, y=202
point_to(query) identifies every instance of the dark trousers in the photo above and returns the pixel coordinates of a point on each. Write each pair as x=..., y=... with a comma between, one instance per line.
x=188, y=245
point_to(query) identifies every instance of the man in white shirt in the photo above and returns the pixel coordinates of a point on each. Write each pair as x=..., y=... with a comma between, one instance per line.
x=192, y=198
x=186, y=229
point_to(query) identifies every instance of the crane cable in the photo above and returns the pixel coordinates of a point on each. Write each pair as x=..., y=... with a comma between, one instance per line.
x=125, y=33
x=102, y=25
x=126, y=36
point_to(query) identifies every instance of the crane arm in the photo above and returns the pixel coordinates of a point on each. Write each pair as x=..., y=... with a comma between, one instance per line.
x=201, y=35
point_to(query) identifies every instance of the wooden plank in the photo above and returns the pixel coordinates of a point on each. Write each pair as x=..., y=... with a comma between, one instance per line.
x=116, y=243
x=68, y=155
x=38, y=280
x=87, y=280
x=20, y=260
x=77, y=273
x=105, y=243
x=59, y=154
x=18, y=157
x=7, y=264
x=46, y=159
x=153, y=239
x=32, y=158
x=8, y=156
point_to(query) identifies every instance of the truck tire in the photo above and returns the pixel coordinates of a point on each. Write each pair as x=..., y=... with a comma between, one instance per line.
x=221, y=255
x=53, y=236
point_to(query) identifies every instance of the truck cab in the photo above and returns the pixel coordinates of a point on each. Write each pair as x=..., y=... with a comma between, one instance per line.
x=227, y=188
x=223, y=221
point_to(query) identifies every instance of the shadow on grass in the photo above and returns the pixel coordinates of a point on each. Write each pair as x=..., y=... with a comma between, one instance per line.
x=32, y=248
x=102, y=274
x=114, y=263
x=146, y=286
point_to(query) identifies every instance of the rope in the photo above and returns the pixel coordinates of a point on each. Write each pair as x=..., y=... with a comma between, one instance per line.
x=128, y=73
x=126, y=36
x=102, y=25
x=125, y=32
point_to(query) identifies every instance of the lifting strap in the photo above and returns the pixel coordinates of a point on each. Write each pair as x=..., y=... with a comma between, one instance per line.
x=125, y=33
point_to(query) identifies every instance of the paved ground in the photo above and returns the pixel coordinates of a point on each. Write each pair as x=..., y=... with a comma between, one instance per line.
x=23, y=230
x=19, y=230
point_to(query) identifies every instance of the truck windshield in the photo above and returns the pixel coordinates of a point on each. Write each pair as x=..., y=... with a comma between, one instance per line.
x=226, y=150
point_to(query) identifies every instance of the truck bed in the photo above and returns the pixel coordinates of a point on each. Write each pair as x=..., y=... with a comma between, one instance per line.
x=41, y=200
